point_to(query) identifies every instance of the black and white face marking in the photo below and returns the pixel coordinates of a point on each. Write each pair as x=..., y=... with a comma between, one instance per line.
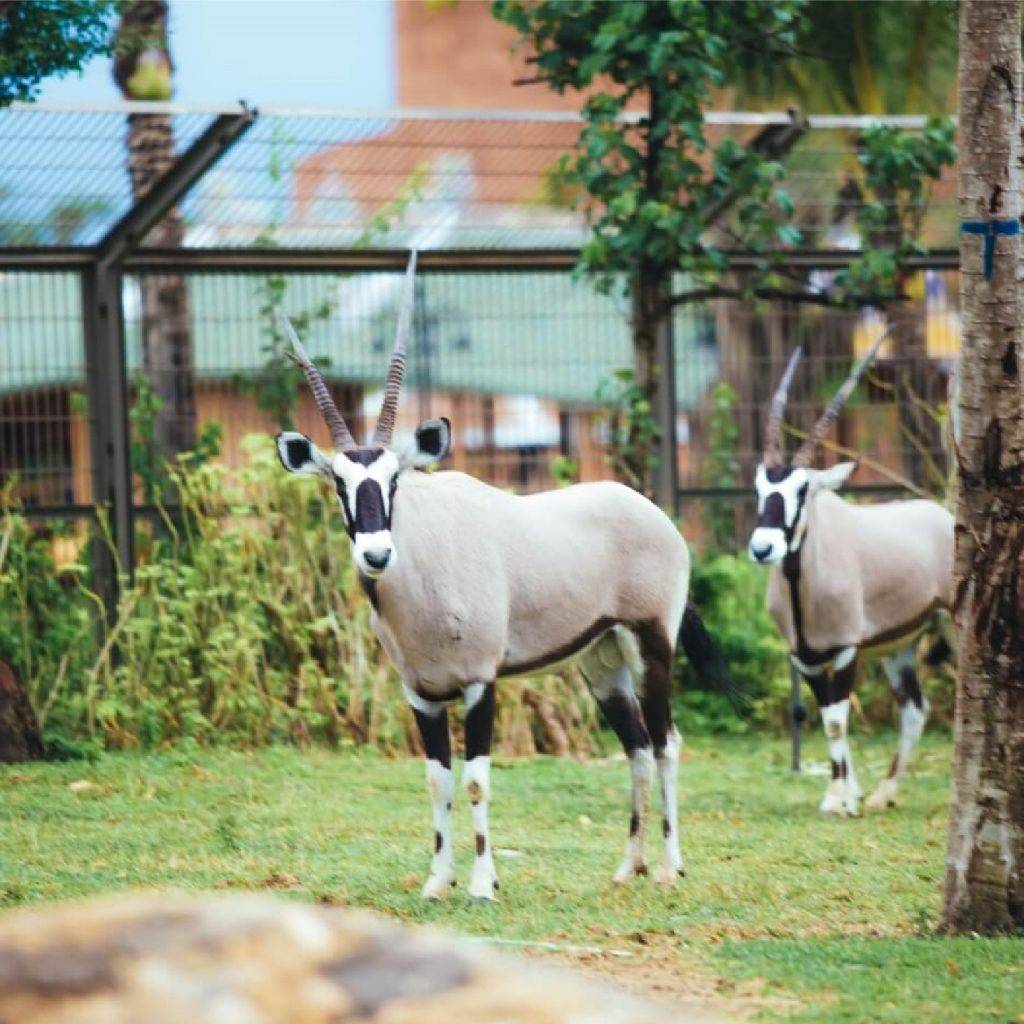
x=781, y=508
x=365, y=480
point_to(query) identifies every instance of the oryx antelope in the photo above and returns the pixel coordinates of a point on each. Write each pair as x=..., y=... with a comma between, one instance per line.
x=847, y=579
x=470, y=584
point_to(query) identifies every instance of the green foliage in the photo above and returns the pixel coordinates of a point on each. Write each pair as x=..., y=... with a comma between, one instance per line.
x=898, y=169
x=645, y=185
x=147, y=464
x=729, y=592
x=721, y=467
x=245, y=625
x=50, y=37
x=632, y=427
x=564, y=471
x=46, y=625
x=865, y=57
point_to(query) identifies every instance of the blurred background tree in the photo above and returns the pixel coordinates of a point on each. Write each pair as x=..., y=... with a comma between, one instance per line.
x=864, y=57
x=49, y=37
x=143, y=70
x=667, y=199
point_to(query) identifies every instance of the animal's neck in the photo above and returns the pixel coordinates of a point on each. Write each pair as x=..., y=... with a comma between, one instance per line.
x=802, y=569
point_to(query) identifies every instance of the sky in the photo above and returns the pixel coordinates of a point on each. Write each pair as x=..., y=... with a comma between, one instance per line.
x=324, y=53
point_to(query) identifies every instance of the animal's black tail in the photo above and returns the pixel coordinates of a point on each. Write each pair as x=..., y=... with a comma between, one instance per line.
x=705, y=657
x=938, y=653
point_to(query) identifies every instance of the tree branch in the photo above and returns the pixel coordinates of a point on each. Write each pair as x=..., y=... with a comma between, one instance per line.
x=780, y=295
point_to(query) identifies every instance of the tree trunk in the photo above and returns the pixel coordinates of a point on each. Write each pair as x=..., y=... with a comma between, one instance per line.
x=643, y=436
x=19, y=730
x=984, y=889
x=143, y=70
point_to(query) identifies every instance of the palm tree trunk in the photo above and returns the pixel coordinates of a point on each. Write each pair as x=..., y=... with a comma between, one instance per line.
x=984, y=889
x=143, y=70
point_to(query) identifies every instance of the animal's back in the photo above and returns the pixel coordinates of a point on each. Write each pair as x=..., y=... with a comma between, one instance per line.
x=905, y=547
x=517, y=578
x=585, y=556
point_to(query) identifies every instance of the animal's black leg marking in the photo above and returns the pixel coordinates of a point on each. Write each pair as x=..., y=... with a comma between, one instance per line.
x=610, y=679
x=480, y=724
x=843, y=793
x=477, y=780
x=623, y=712
x=910, y=688
x=656, y=654
x=437, y=742
x=432, y=721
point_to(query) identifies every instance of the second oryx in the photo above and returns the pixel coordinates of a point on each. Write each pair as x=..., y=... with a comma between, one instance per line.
x=848, y=579
x=470, y=584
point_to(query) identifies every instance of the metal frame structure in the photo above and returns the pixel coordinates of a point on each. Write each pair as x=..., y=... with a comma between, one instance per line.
x=289, y=260
x=106, y=370
x=101, y=269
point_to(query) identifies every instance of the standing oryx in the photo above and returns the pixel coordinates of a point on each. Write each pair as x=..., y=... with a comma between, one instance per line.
x=847, y=578
x=469, y=584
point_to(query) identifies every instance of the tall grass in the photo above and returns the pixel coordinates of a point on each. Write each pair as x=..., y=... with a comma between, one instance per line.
x=245, y=625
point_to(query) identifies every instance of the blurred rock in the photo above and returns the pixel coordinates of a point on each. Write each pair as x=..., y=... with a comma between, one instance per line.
x=152, y=959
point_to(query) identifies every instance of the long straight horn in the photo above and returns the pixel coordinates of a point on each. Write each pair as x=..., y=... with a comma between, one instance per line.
x=396, y=368
x=774, y=448
x=341, y=437
x=828, y=417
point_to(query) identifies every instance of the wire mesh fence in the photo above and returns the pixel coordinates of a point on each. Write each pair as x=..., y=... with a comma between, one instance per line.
x=524, y=363
x=392, y=179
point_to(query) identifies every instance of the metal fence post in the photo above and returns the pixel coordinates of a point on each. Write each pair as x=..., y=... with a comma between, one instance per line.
x=666, y=474
x=106, y=370
x=798, y=714
x=107, y=388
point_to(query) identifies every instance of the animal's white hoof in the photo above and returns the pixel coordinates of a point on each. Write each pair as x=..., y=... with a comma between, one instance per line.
x=833, y=803
x=840, y=798
x=882, y=798
x=627, y=871
x=483, y=883
x=668, y=875
x=436, y=887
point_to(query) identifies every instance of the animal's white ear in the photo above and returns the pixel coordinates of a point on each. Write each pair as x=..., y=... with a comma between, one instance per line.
x=299, y=455
x=432, y=442
x=835, y=476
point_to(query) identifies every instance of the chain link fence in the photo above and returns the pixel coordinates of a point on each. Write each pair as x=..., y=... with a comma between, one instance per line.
x=299, y=215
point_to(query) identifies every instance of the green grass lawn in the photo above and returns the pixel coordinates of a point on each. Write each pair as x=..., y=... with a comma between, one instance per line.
x=826, y=919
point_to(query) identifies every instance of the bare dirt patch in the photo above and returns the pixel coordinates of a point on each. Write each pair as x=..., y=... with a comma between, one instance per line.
x=657, y=970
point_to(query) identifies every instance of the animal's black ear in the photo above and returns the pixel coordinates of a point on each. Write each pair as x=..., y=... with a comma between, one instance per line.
x=299, y=455
x=433, y=441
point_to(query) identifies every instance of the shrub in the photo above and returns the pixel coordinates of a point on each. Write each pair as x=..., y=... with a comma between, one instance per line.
x=728, y=590
x=245, y=625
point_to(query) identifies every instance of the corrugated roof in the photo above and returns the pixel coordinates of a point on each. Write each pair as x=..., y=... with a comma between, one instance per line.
x=539, y=334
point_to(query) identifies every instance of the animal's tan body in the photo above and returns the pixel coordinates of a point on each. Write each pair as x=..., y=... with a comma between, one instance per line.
x=870, y=575
x=470, y=583
x=487, y=583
